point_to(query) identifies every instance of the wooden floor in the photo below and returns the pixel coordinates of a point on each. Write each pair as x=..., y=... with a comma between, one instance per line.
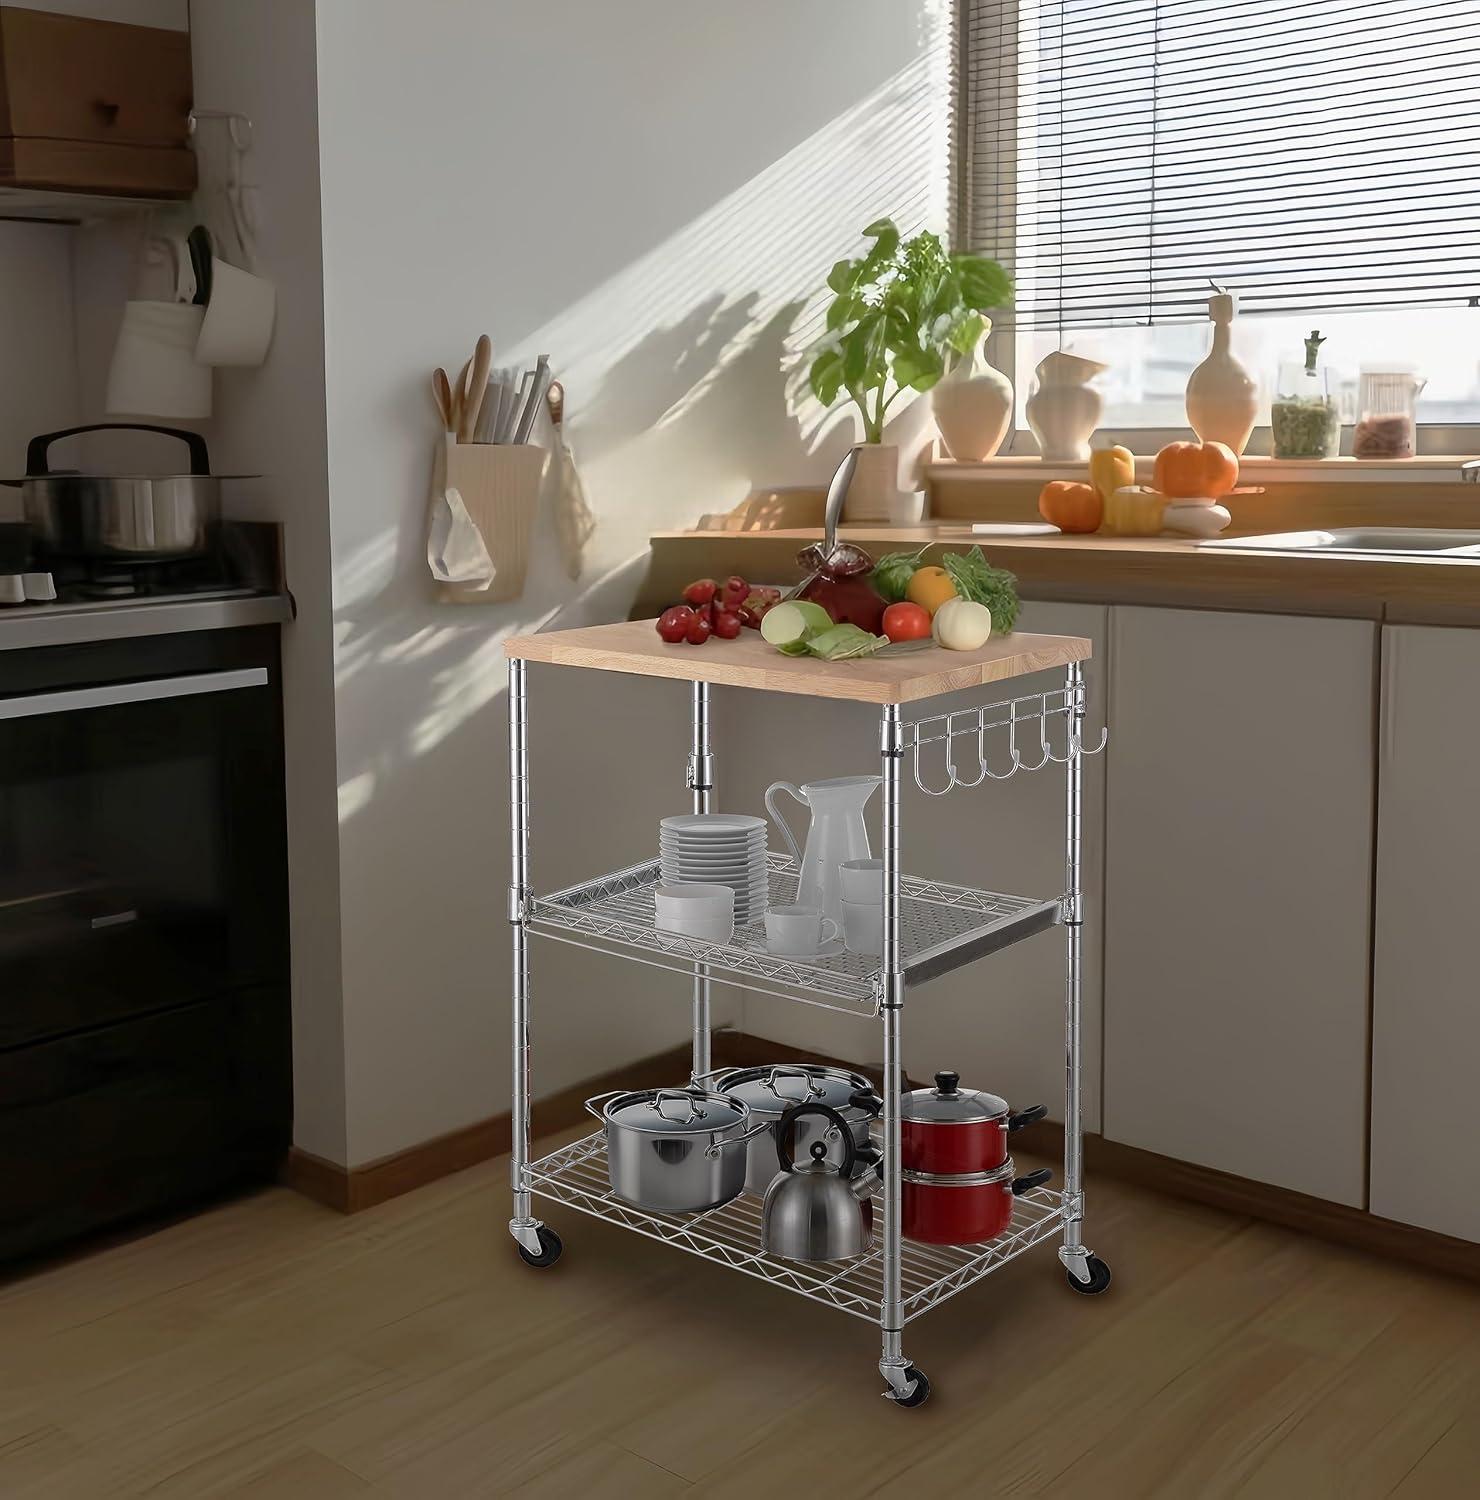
x=271, y=1348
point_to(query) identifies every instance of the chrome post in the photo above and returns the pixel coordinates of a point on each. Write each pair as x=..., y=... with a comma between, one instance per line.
x=523, y=1226
x=701, y=784
x=1073, y=1252
x=891, y=1311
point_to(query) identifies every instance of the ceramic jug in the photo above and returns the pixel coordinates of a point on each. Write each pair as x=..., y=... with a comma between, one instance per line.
x=973, y=408
x=837, y=834
x=1064, y=408
x=1222, y=397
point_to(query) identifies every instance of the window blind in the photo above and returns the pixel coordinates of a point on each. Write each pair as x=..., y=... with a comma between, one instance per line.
x=1118, y=155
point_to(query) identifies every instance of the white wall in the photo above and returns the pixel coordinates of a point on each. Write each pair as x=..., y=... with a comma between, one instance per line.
x=650, y=192
x=260, y=60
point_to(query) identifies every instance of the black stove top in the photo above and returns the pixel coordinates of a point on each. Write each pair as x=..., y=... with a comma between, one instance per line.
x=119, y=582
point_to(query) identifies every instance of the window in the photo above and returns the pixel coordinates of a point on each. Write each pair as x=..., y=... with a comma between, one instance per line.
x=1322, y=161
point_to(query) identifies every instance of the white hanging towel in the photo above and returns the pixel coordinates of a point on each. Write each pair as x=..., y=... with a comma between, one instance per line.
x=574, y=519
x=456, y=552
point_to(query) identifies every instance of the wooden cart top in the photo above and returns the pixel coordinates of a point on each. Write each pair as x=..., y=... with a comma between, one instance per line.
x=633, y=646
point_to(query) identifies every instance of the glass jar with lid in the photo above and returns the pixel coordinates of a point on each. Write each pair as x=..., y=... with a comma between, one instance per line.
x=1387, y=426
x=1304, y=418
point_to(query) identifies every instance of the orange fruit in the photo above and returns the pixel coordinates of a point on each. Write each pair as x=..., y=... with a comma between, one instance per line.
x=930, y=588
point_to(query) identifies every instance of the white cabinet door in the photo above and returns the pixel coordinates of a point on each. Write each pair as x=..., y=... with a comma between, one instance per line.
x=1238, y=892
x=1426, y=975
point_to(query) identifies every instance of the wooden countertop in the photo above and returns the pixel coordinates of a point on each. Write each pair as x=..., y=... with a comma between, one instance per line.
x=1117, y=570
x=633, y=646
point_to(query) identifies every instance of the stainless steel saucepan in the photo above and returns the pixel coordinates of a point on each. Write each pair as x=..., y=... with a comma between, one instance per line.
x=132, y=517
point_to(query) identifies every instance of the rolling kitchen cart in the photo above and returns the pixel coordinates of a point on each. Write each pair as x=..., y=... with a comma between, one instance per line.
x=930, y=928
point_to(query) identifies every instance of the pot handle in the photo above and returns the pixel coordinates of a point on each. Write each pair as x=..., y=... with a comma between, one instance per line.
x=786, y=1128
x=1029, y=1116
x=783, y=1071
x=1033, y=1180
x=592, y=1104
x=715, y=1147
x=866, y=1099
x=36, y=449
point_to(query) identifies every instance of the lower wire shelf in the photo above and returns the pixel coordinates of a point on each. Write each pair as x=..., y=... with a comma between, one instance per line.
x=576, y=1175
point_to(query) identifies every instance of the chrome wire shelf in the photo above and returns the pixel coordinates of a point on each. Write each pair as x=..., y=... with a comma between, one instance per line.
x=576, y=1175
x=1016, y=734
x=943, y=927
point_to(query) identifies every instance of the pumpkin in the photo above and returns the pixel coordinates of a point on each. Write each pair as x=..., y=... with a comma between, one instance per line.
x=1070, y=506
x=1196, y=471
x=1112, y=469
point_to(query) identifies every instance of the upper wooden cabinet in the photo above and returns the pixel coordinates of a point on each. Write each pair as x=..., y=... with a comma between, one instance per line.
x=94, y=106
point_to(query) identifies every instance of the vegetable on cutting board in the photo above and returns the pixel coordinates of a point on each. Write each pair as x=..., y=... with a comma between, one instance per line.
x=962, y=625
x=976, y=579
x=1196, y=471
x=907, y=622
x=1071, y=507
x=1134, y=510
x=801, y=627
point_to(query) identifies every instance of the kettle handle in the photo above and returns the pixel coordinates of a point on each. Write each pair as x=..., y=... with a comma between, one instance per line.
x=780, y=822
x=786, y=1128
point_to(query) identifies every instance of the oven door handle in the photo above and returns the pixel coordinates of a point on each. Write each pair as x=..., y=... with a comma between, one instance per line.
x=73, y=700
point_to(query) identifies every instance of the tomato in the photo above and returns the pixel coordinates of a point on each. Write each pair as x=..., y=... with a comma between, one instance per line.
x=906, y=622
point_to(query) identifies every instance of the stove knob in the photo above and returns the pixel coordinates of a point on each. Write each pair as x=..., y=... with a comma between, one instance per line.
x=41, y=588
x=12, y=588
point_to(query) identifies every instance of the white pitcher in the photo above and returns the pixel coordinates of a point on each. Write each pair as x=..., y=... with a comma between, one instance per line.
x=837, y=834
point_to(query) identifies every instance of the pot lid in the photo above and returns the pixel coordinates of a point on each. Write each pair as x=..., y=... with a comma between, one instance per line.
x=961, y=1179
x=949, y=1104
x=675, y=1111
x=776, y=1087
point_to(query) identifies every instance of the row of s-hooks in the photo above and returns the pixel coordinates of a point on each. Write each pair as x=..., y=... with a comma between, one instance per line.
x=1025, y=739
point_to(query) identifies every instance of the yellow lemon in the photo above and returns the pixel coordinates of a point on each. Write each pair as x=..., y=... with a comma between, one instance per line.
x=930, y=588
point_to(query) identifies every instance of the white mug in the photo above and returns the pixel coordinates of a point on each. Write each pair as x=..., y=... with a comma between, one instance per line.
x=796, y=931
x=700, y=911
x=863, y=927
x=238, y=322
x=154, y=371
x=863, y=879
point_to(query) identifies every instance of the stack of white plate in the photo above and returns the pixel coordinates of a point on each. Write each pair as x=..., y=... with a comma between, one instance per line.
x=718, y=849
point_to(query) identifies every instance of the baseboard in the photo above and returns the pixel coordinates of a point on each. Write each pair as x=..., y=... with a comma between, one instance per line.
x=351, y=1190
x=1354, y=1227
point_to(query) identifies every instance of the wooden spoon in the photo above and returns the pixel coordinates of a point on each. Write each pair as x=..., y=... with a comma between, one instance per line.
x=442, y=395
x=477, y=388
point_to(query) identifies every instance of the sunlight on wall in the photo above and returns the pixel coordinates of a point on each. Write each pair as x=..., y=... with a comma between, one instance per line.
x=690, y=412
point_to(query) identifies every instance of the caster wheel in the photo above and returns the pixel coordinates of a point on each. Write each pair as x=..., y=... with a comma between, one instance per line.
x=920, y=1393
x=1099, y=1278
x=550, y=1248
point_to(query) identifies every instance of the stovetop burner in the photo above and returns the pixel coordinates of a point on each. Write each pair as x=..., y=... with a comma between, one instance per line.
x=84, y=582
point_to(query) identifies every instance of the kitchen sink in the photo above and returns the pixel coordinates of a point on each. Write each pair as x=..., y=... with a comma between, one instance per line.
x=1389, y=541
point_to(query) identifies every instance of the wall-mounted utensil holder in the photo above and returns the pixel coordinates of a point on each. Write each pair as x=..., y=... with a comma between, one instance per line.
x=500, y=487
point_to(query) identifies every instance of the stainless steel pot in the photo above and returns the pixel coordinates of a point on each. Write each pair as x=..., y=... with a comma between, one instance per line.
x=675, y=1150
x=133, y=517
x=771, y=1090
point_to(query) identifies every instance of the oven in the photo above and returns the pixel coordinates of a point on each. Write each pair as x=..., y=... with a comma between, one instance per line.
x=144, y=1021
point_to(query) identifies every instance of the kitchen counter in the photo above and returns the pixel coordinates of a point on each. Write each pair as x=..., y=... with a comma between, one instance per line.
x=1111, y=570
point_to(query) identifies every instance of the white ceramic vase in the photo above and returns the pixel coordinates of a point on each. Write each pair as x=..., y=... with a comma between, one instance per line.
x=1222, y=397
x=973, y=408
x=875, y=483
x=1064, y=408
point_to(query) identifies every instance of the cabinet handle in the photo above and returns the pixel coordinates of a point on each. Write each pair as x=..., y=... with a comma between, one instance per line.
x=1387, y=692
x=74, y=699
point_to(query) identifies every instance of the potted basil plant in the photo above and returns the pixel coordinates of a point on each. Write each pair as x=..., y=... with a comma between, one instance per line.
x=902, y=315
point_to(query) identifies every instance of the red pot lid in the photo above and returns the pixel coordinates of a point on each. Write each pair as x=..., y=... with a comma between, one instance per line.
x=949, y=1104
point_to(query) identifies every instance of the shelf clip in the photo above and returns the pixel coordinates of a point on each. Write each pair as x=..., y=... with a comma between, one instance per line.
x=521, y=904
x=700, y=774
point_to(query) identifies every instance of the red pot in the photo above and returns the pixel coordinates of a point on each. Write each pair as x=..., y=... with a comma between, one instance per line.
x=966, y=1209
x=949, y=1130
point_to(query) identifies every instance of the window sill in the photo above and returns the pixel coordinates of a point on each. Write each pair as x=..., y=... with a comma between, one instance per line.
x=1255, y=469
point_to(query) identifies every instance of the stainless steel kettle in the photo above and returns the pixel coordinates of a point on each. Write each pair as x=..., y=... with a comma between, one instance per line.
x=819, y=1211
